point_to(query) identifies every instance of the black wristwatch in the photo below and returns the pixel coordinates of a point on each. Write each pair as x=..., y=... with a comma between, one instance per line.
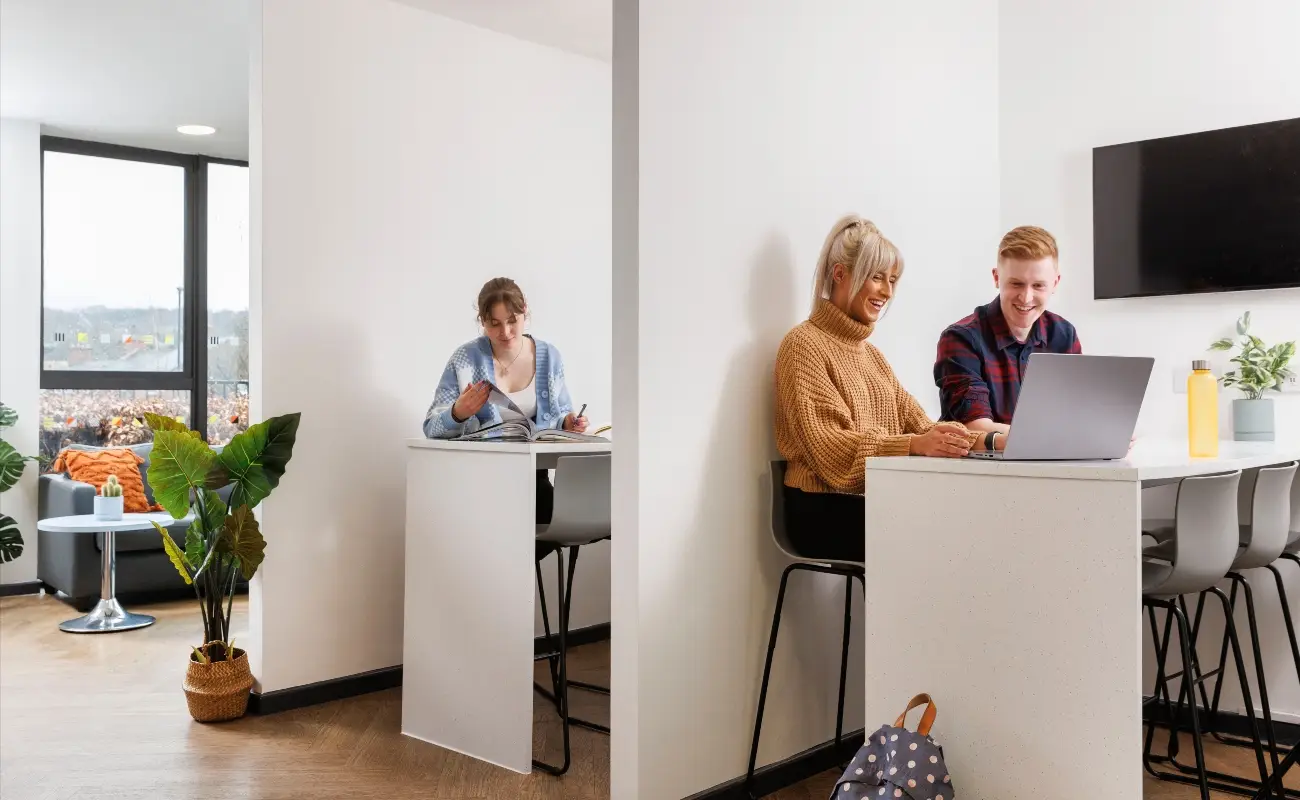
x=989, y=439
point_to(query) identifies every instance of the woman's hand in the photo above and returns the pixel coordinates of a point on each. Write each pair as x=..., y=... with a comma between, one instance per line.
x=944, y=440
x=575, y=424
x=471, y=401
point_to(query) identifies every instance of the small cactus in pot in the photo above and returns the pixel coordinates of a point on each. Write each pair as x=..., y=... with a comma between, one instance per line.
x=108, y=503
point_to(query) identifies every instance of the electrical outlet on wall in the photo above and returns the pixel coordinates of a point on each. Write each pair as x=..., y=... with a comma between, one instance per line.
x=1180, y=380
x=1292, y=384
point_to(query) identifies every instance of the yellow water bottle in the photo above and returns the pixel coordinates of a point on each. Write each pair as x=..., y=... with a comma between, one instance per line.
x=1202, y=412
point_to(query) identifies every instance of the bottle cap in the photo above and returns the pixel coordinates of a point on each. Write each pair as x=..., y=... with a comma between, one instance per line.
x=1200, y=365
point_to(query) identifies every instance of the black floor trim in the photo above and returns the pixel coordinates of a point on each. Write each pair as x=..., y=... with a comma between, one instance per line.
x=279, y=700
x=26, y=587
x=782, y=774
x=387, y=678
x=577, y=638
x=1230, y=723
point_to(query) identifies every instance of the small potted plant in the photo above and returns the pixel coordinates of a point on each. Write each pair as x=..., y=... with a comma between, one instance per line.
x=1259, y=370
x=108, y=503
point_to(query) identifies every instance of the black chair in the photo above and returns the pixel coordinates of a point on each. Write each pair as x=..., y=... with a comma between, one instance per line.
x=849, y=570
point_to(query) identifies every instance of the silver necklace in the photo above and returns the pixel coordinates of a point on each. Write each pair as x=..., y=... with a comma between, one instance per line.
x=505, y=368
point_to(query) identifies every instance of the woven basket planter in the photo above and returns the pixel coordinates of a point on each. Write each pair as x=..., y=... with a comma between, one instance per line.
x=219, y=690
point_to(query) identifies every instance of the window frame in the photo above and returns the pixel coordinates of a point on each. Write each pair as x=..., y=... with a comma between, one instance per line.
x=193, y=375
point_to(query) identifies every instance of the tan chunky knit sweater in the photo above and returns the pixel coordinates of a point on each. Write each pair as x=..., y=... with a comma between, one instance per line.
x=838, y=403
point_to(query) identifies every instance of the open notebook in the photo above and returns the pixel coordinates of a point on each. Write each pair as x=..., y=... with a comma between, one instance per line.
x=520, y=428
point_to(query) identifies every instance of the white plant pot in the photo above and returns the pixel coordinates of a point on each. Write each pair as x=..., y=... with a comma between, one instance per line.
x=1252, y=420
x=108, y=508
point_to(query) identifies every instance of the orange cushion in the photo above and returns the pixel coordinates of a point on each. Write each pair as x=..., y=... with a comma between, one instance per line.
x=94, y=467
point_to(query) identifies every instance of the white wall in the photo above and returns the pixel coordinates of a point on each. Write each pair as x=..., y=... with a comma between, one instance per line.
x=756, y=131
x=402, y=159
x=1077, y=76
x=20, y=321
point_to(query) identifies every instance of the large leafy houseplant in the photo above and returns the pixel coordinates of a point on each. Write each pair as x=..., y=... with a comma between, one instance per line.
x=12, y=465
x=1259, y=368
x=224, y=541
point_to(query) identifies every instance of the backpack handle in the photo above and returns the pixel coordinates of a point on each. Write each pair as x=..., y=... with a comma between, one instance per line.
x=927, y=718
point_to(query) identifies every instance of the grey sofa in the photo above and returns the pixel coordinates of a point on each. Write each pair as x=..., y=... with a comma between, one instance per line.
x=70, y=563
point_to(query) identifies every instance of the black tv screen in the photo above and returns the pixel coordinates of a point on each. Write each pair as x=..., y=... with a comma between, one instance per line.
x=1206, y=212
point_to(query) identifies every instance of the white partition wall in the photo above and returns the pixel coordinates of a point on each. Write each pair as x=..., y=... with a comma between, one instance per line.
x=20, y=322
x=751, y=133
x=399, y=160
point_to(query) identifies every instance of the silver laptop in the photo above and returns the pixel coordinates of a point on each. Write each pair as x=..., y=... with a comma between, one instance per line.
x=1076, y=408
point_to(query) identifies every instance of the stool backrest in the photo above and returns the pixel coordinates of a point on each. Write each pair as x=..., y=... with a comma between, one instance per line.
x=779, y=534
x=582, y=504
x=1270, y=517
x=1205, y=534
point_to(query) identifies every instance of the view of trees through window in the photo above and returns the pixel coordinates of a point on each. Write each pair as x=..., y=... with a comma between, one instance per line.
x=121, y=274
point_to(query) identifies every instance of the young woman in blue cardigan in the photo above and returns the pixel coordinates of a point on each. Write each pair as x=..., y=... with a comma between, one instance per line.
x=528, y=370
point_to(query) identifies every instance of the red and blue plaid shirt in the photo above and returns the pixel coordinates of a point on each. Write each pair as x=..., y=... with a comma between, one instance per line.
x=980, y=365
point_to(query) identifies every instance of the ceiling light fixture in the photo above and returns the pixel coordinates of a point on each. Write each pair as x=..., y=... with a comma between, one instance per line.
x=196, y=130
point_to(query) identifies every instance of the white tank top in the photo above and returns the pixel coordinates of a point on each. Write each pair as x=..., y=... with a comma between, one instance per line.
x=526, y=399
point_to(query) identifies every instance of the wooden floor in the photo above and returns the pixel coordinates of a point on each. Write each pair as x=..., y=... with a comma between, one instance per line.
x=103, y=716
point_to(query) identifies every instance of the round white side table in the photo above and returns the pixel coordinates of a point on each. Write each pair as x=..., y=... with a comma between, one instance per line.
x=108, y=616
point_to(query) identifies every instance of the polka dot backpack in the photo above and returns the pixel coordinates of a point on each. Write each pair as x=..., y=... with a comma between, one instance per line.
x=897, y=763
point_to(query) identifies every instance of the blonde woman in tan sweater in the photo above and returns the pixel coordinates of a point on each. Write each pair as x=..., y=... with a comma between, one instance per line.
x=838, y=402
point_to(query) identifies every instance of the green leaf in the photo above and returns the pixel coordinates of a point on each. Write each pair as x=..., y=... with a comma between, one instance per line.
x=256, y=458
x=174, y=553
x=157, y=422
x=1222, y=344
x=218, y=477
x=8, y=417
x=177, y=464
x=1243, y=324
x=195, y=551
x=11, y=539
x=214, y=517
x=243, y=539
x=11, y=466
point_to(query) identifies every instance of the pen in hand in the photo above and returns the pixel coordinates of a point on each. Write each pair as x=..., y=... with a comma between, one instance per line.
x=581, y=410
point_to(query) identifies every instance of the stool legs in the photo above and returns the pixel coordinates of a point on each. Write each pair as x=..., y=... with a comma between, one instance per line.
x=767, y=674
x=1189, y=678
x=844, y=657
x=1286, y=616
x=849, y=576
x=563, y=694
x=1234, y=784
x=566, y=601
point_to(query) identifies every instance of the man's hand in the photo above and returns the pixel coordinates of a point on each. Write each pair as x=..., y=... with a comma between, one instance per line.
x=945, y=440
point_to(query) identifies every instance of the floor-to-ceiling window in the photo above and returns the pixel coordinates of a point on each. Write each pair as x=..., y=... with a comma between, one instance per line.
x=144, y=293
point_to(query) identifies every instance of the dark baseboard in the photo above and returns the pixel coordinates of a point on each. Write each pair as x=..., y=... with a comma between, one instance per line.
x=577, y=638
x=782, y=774
x=378, y=680
x=1230, y=723
x=26, y=587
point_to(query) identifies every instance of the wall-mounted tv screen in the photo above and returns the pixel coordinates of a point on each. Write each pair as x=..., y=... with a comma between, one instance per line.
x=1206, y=212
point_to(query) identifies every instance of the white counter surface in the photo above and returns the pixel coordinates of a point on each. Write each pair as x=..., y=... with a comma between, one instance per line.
x=1150, y=460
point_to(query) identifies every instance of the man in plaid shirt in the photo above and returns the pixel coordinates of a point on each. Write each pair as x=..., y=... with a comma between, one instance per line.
x=982, y=358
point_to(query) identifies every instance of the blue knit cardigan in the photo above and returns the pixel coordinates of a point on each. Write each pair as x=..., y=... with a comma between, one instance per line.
x=472, y=362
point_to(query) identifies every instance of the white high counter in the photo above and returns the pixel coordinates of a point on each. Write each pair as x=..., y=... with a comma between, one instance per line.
x=1011, y=592
x=467, y=660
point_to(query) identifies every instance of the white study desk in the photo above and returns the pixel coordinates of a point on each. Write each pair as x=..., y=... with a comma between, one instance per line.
x=1011, y=592
x=467, y=660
